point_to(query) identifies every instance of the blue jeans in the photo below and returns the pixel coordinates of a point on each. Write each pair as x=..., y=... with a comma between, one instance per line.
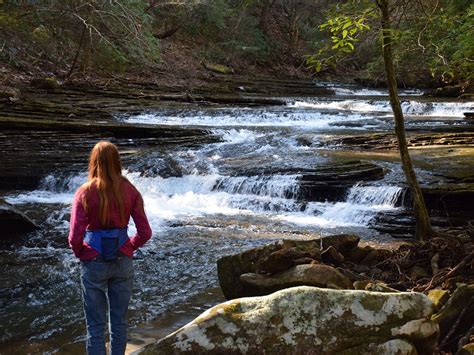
x=102, y=281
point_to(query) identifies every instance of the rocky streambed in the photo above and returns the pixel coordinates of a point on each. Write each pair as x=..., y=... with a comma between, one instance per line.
x=220, y=173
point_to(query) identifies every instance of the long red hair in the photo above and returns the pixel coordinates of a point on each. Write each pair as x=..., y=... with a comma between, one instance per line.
x=105, y=173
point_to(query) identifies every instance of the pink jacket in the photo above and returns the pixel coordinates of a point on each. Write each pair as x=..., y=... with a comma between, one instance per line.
x=82, y=220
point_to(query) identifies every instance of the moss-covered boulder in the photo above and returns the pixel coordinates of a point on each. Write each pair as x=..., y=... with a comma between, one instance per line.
x=263, y=259
x=309, y=320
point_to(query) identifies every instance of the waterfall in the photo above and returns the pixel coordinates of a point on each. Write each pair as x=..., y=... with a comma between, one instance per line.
x=380, y=196
x=362, y=205
x=282, y=186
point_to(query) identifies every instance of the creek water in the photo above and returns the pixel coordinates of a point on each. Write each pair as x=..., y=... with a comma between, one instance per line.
x=204, y=203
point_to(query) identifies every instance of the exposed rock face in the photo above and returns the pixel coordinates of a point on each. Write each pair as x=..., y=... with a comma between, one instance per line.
x=28, y=154
x=383, y=141
x=13, y=223
x=332, y=182
x=270, y=259
x=309, y=320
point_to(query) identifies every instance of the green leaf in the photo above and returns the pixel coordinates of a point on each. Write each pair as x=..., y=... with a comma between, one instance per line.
x=344, y=34
x=347, y=24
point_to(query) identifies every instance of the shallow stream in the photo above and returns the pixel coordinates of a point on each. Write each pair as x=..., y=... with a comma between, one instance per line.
x=206, y=202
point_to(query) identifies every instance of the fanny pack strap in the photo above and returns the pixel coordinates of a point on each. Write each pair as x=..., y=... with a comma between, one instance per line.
x=94, y=238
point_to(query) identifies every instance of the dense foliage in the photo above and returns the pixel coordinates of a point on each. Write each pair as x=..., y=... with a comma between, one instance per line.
x=434, y=39
x=109, y=35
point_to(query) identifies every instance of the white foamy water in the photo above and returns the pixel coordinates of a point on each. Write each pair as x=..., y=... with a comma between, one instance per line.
x=52, y=190
x=409, y=107
x=362, y=205
x=248, y=118
x=341, y=91
x=190, y=196
x=236, y=136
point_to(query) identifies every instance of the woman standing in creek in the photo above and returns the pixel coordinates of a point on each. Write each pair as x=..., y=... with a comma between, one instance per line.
x=98, y=237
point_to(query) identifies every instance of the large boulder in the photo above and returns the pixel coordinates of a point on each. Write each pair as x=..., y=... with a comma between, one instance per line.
x=310, y=320
x=273, y=258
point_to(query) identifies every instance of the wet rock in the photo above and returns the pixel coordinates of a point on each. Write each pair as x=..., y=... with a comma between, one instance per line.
x=309, y=320
x=299, y=275
x=163, y=167
x=332, y=256
x=13, y=223
x=330, y=183
x=229, y=268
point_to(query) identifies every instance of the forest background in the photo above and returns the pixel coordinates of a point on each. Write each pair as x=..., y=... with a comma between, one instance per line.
x=172, y=40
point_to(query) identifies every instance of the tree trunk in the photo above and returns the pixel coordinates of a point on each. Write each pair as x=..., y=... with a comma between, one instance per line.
x=84, y=29
x=423, y=224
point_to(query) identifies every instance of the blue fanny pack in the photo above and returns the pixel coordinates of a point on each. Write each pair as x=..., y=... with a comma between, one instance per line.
x=107, y=241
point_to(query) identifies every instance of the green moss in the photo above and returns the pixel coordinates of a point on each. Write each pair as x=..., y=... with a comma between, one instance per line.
x=373, y=304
